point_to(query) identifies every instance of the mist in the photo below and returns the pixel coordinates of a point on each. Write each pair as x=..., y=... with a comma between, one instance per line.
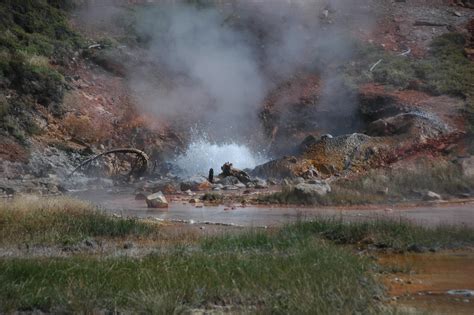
x=212, y=66
x=210, y=74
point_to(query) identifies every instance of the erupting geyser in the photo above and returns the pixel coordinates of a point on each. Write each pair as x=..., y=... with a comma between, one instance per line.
x=201, y=155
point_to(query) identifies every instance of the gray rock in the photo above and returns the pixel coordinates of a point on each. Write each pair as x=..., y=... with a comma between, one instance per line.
x=157, y=200
x=316, y=188
x=432, y=196
x=240, y=185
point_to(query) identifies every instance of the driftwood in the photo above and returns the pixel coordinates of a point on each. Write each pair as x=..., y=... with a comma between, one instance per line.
x=139, y=167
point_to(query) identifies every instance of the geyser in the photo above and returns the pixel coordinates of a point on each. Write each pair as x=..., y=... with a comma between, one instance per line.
x=201, y=155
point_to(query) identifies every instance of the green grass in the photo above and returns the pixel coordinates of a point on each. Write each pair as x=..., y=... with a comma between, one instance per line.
x=396, y=235
x=62, y=221
x=393, y=234
x=310, y=277
x=36, y=42
x=296, y=269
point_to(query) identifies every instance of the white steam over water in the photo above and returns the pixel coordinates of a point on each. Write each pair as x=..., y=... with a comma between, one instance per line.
x=201, y=155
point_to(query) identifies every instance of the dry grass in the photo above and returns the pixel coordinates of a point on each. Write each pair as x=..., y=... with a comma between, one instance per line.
x=61, y=220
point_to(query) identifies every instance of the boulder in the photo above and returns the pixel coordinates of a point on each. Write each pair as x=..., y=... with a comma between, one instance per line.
x=196, y=183
x=412, y=123
x=314, y=189
x=157, y=200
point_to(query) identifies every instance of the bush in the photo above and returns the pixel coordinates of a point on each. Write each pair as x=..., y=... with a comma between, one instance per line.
x=33, y=33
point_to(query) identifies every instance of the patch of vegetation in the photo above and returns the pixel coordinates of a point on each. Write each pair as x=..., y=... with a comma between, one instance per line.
x=312, y=276
x=289, y=270
x=405, y=183
x=35, y=41
x=382, y=185
x=61, y=221
x=296, y=269
x=338, y=196
x=397, y=235
x=446, y=70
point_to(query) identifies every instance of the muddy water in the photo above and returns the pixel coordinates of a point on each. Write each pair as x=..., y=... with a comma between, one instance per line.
x=180, y=210
x=427, y=279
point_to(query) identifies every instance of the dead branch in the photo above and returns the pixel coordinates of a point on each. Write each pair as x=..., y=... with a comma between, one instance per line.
x=375, y=65
x=139, y=167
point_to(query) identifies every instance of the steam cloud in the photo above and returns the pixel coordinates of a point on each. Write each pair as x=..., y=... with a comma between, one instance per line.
x=215, y=65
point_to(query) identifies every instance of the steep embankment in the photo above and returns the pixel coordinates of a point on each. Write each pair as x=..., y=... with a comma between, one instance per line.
x=56, y=105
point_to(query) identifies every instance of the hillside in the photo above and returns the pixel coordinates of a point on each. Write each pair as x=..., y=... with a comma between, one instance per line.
x=69, y=88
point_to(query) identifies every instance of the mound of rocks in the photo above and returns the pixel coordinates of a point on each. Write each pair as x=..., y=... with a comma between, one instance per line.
x=335, y=155
x=415, y=124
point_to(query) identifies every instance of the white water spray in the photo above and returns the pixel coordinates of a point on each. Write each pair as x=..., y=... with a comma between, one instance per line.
x=201, y=155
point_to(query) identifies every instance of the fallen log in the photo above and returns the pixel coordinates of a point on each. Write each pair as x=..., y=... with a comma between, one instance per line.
x=140, y=167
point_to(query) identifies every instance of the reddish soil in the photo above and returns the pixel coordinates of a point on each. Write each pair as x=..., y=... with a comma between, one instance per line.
x=12, y=151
